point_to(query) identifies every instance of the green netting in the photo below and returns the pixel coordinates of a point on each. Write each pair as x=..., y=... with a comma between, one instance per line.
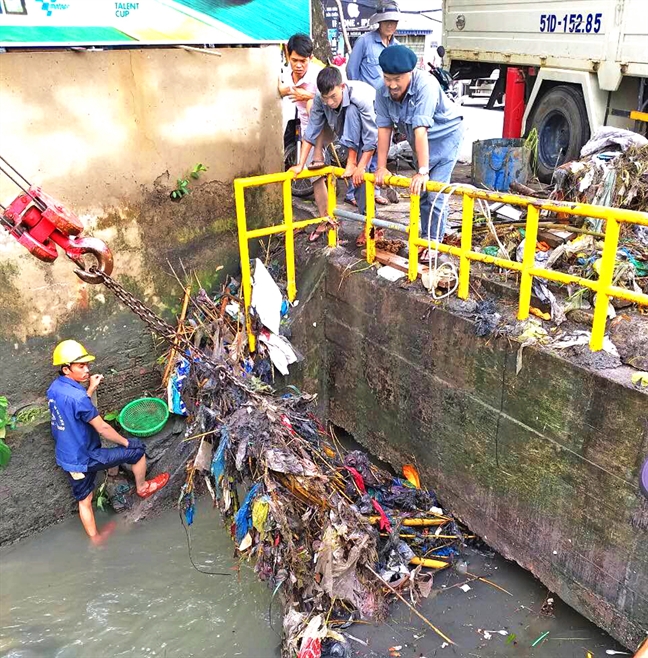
x=144, y=416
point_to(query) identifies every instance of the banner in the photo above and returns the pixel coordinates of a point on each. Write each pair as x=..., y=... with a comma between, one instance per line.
x=151, y=22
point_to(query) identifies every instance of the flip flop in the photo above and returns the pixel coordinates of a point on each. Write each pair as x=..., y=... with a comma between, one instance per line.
x=320, y=230
x=154, y=485
x=381, y=201
x=379, y=234
x=351, y=202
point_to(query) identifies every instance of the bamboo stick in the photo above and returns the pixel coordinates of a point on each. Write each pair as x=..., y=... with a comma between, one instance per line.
x=430, y=563
x=174, y=349
x=410, y=606
x=417, y=523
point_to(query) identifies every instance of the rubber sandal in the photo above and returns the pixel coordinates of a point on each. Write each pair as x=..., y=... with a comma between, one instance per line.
x=351, y=202
x=317, y=164
x=315, y=235
x=154, y=485
x=381, y=201
x=379, y=234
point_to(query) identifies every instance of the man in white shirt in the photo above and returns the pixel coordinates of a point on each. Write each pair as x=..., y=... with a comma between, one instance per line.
x=301, y=88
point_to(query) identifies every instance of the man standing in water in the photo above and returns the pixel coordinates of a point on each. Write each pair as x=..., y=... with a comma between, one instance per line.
x=76, y=425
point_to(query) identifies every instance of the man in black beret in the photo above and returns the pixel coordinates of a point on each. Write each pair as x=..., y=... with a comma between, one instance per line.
x=413, y=101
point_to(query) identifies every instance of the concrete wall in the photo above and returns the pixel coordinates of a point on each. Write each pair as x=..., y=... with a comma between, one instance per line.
x=543, y=465
x=108, y=133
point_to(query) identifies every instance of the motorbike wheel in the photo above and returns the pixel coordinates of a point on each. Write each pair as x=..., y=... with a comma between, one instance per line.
x=301, y=187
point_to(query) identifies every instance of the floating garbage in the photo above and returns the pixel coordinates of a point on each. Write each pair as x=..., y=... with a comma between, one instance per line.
x=335, y=537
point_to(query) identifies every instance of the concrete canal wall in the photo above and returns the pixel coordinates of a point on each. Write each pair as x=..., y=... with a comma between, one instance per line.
x=543, y=465
x=108, y=133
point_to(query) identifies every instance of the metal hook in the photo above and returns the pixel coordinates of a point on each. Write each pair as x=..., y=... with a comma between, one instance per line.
x=96, y=247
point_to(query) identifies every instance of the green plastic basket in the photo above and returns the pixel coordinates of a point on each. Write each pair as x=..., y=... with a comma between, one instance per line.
x=144, y=416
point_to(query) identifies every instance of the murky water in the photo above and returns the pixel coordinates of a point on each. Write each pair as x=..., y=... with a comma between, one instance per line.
x=138, y=595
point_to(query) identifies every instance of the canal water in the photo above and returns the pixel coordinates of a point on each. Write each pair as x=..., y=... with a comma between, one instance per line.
x=139, y=596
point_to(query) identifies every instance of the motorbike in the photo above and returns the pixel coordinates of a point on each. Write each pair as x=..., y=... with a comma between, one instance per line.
x=444, y=77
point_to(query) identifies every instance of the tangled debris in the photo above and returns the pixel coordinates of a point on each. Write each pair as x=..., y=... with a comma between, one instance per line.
x=333, y=535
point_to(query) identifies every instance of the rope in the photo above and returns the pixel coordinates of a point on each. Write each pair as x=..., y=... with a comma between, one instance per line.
x=445, y=270
x=190, y=551
x=449, y=269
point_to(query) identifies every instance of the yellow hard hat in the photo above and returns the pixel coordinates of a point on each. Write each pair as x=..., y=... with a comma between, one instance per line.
x=69, y=351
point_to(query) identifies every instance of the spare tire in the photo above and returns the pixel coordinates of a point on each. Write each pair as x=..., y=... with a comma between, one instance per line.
x=560, y=117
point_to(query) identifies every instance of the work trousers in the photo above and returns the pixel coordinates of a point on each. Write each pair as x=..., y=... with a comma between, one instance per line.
x=444, y=153
x=350, y=130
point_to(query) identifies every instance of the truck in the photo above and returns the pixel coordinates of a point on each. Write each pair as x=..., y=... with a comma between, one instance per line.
x=584, y=64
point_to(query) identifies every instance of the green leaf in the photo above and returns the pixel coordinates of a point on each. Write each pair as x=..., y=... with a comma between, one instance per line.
x=4, y=411
x=111, y=415
x=5, y=453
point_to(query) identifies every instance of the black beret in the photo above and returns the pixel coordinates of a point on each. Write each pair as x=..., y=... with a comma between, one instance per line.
x=397, y=59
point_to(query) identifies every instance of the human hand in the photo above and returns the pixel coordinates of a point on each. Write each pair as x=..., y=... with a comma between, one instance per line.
x=95, y=380
x=297, y=169
x=349, y=170
x=417, y=184
x=297, y=94
x=358, y=176
x=381, y=174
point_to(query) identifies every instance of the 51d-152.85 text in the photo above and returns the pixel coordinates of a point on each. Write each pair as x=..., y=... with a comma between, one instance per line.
x=577, y=23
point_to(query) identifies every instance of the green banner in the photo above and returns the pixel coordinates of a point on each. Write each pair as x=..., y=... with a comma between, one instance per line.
x=106, y=22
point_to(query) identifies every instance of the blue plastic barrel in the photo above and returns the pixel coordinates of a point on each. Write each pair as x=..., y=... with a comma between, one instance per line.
x=496, y=163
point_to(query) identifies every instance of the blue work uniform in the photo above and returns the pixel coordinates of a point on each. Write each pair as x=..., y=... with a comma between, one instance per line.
x=363, y=61
x=426, y=105
x=78, y=446
x=354, y=122
x=363, y=65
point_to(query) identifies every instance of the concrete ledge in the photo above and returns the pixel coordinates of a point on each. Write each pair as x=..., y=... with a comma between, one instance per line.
x=544, y=465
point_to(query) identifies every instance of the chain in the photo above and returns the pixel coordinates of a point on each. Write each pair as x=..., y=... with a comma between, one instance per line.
x=155, y=323
x=165, y=331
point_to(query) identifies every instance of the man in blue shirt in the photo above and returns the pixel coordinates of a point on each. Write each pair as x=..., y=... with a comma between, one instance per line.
x=363, y=60
x=363, y=63
x=346, y=110
x=76, y=425
x=413, y=101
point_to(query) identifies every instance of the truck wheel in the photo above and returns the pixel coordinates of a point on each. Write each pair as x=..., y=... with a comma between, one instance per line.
x=561, y=120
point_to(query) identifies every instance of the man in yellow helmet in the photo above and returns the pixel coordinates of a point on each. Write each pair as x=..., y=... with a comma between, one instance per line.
x=76, y=426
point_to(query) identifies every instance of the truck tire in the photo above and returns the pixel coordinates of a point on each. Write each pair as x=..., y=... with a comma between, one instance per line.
x=560, y=118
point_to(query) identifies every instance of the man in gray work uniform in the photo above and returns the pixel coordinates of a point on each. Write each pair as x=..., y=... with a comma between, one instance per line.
x=363, y=63
x=413, y=101
x=346, y=110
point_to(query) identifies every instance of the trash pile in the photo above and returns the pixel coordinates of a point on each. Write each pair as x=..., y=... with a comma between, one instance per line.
x=613, y=171
x=333, y=535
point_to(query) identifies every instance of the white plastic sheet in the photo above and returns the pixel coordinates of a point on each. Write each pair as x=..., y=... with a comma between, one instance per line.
x=266, y=297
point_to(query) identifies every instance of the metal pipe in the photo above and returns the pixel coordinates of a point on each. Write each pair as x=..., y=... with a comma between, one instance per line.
x=361, y=219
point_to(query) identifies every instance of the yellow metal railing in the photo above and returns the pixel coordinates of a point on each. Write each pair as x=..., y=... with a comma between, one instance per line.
x=603, y=286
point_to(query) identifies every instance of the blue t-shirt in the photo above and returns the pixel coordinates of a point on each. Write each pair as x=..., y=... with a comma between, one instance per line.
x=72, y=410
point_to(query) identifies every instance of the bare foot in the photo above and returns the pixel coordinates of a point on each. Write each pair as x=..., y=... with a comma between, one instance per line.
x=106, y=531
